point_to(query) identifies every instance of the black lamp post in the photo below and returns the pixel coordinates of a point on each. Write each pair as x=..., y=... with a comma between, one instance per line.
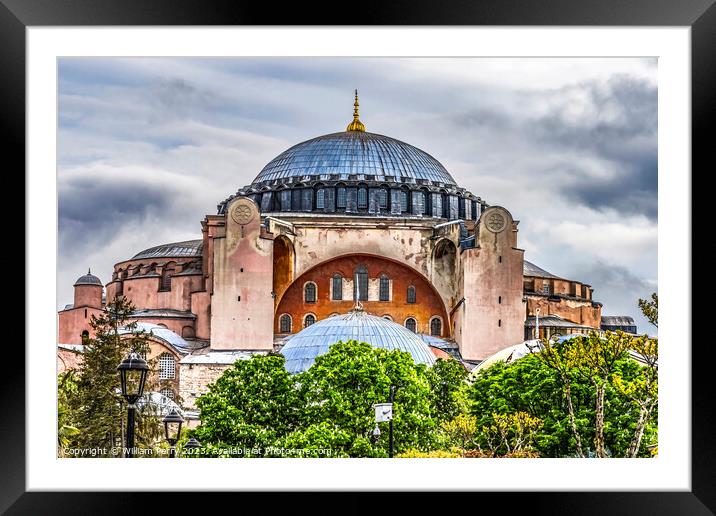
x=172, y=430
x=133, y=374
x=192, y=445
x=390, y=435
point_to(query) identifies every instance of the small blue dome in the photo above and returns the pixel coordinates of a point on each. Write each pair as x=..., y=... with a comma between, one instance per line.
x=354, y=152
x=302, y=348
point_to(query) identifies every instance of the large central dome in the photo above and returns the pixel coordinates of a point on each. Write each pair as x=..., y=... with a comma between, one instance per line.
x=354, y=152
x=358, y=173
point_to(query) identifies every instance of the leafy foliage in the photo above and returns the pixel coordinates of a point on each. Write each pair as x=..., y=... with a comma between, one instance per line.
x=532, y=386
x=343, y=384
x=257, y=404
x=650, y=309
x=251, y=405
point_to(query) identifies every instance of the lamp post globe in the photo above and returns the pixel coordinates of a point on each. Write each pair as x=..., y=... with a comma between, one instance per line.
x=133, y=375
x=172, y=429
x=192, y=445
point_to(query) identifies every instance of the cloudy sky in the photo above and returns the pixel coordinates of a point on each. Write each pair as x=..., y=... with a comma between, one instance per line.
x=148, y=146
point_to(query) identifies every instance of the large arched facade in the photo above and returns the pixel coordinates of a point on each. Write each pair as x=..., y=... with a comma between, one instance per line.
x=385, y=287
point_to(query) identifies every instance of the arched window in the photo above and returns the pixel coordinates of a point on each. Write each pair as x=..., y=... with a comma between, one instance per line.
x=167, y=366
x=285, y=202
x=383, y=197
x=320, y=199
x=187, y=332
x=166, y=279
x=169, y=393
x=404, y=205
x=284, y=323
x=341, y=197
x=309, y=292
x=411, y=294
x=84, y=336
x=361, y=284
x=384, y=291
x=389, y=318
x=337, y=287
x=362, y=197
x=411, y=324
x=427, y=204
x=309, y=320
x=436, y=327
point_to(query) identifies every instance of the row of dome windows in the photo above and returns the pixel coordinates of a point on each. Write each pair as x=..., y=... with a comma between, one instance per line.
x=310, y=289
x=436, y=324
x=168, y=270
x=362, y=198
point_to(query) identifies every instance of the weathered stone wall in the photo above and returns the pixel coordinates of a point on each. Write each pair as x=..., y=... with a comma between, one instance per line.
x=72, y=322
x=580, y=312
x=88, y=295
x=242, y=306
x=492, y=315
x=195, y=379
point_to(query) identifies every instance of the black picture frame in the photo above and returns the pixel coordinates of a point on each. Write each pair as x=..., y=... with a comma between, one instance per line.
x=700, y=15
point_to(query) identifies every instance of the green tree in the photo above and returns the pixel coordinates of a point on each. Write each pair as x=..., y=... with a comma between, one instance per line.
x=250, y=405
x=650, y=309
x=343, y=384
x=448, y=386
x=97, y=405
x=461, y=430
x=530, y=385
x=67, y=430
x=595, y=358
x=511, y=435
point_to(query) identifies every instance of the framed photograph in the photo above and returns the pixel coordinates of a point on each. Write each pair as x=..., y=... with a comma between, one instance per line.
x=420, y=252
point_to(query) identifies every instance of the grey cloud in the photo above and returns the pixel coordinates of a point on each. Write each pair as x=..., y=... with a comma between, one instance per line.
x=618, y=289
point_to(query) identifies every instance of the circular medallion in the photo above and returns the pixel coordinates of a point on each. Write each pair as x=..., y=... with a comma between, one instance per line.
x=242, y=214
x=496, y=222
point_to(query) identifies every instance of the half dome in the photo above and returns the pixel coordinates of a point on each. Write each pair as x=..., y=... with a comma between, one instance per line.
x=354, y=152
x=302, y=348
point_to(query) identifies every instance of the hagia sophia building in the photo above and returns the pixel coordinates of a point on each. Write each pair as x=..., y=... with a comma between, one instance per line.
x=350, y=235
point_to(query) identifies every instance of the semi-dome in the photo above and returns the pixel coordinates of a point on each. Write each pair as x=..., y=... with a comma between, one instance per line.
x=302, y=348
x=88, y=279
x=354, y=152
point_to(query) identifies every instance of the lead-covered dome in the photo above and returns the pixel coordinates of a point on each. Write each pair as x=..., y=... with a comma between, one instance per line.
x=88, y=279
x=302, y=348
x=354, y=152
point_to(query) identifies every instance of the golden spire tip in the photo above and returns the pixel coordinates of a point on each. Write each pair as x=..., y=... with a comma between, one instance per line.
x=356, y=124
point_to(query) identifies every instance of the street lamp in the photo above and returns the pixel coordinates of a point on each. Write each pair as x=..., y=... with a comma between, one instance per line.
x=133, y=374
x=384, y=412
x=192, y=445
x=376, y=433
x=172, y=430
x=537, y=323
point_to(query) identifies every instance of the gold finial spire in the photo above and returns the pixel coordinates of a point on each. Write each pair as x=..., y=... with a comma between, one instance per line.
x=356, y=124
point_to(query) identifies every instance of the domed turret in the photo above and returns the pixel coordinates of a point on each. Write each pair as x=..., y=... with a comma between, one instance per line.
x=303, y=348
x=88, y=291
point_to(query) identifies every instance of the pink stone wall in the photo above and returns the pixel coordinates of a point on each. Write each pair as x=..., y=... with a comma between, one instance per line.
x=241, y=306
x=492, y=316
x=71, y=324
x=88, y=295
